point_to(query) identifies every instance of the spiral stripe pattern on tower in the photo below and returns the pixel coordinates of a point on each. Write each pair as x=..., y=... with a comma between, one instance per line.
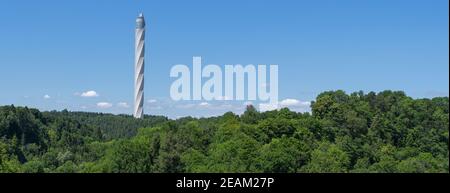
x=139, y=67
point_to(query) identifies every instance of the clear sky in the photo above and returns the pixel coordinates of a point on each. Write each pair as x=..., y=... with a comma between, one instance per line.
x=52, y=51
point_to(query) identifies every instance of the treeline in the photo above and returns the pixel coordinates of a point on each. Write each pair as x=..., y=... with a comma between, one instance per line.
x=111, y=126
x=373, y=132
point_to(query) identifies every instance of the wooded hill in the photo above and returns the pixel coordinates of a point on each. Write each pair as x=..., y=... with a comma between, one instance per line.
x=374, y=132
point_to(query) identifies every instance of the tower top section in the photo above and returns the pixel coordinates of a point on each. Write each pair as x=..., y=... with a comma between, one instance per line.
x=140, y=21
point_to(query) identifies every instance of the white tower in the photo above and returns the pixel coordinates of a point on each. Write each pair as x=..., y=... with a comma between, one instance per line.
x=139, y=67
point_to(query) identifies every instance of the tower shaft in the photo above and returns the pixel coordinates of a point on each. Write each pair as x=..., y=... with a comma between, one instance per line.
x=139, y=65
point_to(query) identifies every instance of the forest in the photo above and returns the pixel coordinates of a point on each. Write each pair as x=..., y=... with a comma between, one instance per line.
x=385, y=132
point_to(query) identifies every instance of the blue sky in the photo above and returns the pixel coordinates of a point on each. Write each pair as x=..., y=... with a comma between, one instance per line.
x=51, y=52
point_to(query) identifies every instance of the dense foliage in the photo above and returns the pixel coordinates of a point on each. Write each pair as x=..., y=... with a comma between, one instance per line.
x=384, y=132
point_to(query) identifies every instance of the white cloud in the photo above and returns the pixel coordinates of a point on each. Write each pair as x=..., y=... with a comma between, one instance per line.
x=152, y=101
x=46, y=96
x=90, y=93
x=123, y=105
x=267, y=107
x=305, y=103
x=294, y=103
x=289, y=102
x=204, y=104
x=104, y=105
